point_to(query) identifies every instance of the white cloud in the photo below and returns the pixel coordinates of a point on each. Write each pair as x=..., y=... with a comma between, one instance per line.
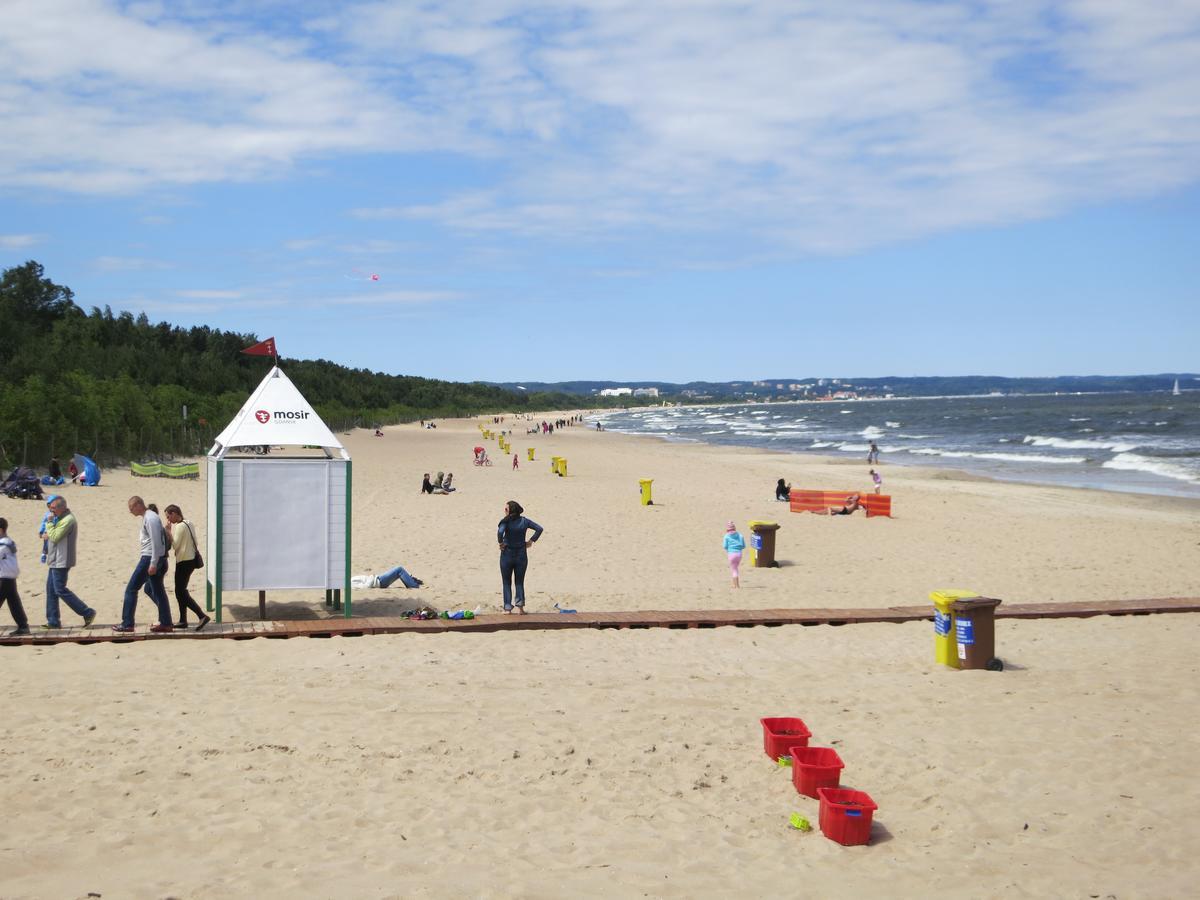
x=374, y=297
x=802, y=126
x=128, y=264
x=201, y=294
x=20, y=241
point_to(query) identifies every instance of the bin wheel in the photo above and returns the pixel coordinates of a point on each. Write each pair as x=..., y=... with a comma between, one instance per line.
x=995, y=665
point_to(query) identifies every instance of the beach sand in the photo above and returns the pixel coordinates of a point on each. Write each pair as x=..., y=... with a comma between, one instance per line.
x=601, y=763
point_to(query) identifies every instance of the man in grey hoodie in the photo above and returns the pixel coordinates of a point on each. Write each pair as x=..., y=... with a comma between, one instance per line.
x=62, y=532
x=151, y=567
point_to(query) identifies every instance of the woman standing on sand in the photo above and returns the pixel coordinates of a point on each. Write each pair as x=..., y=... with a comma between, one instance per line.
x=514, y=559
x=734, y=545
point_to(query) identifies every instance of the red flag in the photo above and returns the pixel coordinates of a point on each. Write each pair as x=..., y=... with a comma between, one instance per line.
x=262, y=348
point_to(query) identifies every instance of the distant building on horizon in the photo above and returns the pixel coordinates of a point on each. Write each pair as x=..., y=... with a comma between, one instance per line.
x=618, y=392
x=645, y=392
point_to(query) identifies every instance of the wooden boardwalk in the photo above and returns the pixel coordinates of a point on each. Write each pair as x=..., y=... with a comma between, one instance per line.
x=740, y=618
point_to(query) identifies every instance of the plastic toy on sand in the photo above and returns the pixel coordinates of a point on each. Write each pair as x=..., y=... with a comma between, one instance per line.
x=561, y=610
x=798, y=822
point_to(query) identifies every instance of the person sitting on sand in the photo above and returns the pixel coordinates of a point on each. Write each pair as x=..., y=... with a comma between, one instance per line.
x=783, y=490
x=446, y=485
x=426, y=485
x=852, y=503
x=437, y=483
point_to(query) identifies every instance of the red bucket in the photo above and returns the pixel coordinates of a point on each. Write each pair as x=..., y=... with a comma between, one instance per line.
x=846, y=815
x=779, y=733
x=815, y=767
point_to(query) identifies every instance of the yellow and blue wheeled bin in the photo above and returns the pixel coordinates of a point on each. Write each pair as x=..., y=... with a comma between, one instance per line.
x=945, y=649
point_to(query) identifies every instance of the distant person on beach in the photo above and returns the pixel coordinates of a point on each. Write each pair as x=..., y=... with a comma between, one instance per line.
x=62, y=534
x=182, y=536
x=514, y=559
x=516, y=462
x=151, y=568
x=878, y=479
x=426, y=484
x=873, y=455
x=852, y=503
x=783, y=490
x=9, y=570
x=734, y=545
x=447, y=485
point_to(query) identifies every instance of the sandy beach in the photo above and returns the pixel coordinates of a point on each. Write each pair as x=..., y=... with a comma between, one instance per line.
x=620, y=763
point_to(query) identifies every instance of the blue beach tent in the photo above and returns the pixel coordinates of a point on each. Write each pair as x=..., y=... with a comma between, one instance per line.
x=89, y=472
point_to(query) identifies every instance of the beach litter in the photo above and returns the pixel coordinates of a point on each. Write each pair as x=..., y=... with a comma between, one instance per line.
x=561, y=610
x=783, y=761
x=798, y=822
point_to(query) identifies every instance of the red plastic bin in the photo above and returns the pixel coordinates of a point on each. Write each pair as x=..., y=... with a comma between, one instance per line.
x=846, y=815
x=815, y=767
x=782, y=732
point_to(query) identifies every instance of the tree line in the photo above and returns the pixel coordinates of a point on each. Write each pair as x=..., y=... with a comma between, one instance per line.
x=114, y=386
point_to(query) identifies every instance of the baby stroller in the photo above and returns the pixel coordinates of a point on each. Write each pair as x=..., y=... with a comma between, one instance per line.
x=481, y=457
x=22, y=484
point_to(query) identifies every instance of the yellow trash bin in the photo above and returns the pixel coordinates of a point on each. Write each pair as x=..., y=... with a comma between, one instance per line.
x=529, y=452
x=562, y=467
x=554, y=465
x=945, y=649
x=645, y=483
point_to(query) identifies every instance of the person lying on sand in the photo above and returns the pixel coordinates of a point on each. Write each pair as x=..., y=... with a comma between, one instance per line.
x=852, y=503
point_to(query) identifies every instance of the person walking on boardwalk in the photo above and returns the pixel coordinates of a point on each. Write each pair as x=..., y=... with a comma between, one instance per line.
x=62, y=534
x=151, y=567
x=734, y=545
x=183, y=541
x=9, y=570
x=514, y=558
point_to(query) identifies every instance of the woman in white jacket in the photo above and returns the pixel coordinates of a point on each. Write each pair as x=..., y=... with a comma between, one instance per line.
x=9, y=570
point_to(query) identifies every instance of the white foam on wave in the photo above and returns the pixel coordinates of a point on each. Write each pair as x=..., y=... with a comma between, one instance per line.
x=817, y=445
x=1077, y=443
x=1083, y=419
x=756, y=434
x=999, y=457
x=892, y=424
x=854, y=448
x=845, y=412
x=718, y=431
x=872, y=432
x=760, y=412
x=1133, y=462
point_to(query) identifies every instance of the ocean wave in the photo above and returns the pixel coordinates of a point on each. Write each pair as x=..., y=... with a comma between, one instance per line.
x=1132, y=462
x=1084, y=419
x=718, y=431
x=817, y=445
x=845, y=412
x=892, y=424
x=999, y=457
x=1077, y=443
x=754, y=434
x=872, y=432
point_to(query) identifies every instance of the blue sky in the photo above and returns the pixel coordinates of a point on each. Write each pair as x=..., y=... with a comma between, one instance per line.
x=621, y=190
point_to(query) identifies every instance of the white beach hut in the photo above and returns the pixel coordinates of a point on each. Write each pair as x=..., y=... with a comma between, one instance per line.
x=278, y=521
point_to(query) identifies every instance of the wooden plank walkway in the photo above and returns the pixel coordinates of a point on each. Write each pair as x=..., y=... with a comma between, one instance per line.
x=742, y=618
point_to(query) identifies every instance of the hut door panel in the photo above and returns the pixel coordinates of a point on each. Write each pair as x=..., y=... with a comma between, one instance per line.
x=285, y=541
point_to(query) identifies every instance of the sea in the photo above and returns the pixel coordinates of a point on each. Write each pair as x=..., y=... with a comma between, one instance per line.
x=1142, y=443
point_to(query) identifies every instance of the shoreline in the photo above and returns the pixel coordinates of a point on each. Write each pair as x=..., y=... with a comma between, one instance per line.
x=1170, y=488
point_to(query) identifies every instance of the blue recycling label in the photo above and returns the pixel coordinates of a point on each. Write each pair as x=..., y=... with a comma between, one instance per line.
x=756, y=541
x=941, y=623
x=964, y=631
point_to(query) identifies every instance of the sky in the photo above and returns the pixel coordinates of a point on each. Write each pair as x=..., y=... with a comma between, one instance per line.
x=615, y=189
